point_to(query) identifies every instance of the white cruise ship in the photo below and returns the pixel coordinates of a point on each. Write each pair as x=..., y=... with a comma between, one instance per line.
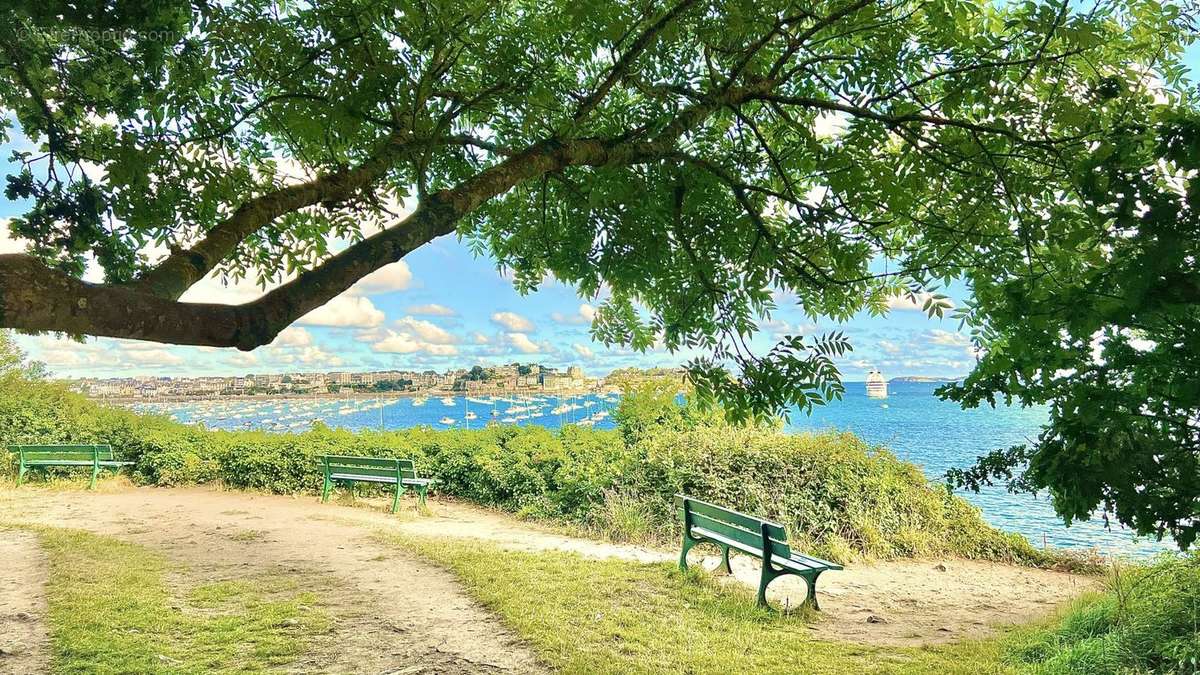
x=876, y=385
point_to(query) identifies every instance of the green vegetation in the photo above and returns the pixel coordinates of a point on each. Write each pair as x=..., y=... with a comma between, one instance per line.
x=578, y=612
x=112, y=611
x=1147, y=621
x=840, y=498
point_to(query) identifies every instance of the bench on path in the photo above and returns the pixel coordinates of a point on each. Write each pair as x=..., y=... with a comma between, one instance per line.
x=708, y=523
x=45, y=456
x=380, y=470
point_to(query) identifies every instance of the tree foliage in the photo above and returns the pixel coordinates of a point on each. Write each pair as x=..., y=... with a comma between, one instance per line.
x=1105, y=326
x=694, y=163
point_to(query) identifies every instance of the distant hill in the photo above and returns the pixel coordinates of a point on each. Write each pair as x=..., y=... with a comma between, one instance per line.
x=923, y=378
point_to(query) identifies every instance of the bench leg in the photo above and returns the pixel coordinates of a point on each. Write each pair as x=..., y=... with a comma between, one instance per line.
x=325, y=488
x=95, y=475
x=724, y=567
x=421, y=490
x=811, y=600
x=765, y=578
x=396, y=498
x=21, y=474
x=688, y=543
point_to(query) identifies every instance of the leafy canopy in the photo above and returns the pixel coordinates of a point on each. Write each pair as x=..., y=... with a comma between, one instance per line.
x=694, y=163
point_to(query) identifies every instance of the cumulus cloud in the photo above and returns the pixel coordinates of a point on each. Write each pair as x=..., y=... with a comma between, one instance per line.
x=426, y=331
x=345, y=311
x=523, y=344
x=584, y=315
x=7, y=243
x=889, y=347
x=394, y=277
x=583, y=351
x=432, y=309
x=948, y=338
x=905, y=303
x=244, y=359
x=513, y=322
x=293, y=337
x=406, y=343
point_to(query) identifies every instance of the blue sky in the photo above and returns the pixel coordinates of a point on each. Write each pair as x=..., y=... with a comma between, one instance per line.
x=443, y=308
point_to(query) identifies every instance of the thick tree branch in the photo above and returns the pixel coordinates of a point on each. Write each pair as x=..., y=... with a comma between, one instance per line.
x=182, y=269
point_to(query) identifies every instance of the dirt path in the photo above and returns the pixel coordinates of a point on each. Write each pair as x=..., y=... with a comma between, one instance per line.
x=439, y=628
x=24, y=644
x=895, y=603
x=397, y=614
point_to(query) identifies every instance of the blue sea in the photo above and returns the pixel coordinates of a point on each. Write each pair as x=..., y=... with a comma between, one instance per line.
x=912, y=422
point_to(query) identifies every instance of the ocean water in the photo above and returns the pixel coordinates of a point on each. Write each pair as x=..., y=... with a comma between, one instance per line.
x=937, y=435
x=912, y=422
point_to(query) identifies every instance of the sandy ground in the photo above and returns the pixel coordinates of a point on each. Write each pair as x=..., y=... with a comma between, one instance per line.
x=396, y=614
x=24, y=645
x=920, y=602
x=425, y=620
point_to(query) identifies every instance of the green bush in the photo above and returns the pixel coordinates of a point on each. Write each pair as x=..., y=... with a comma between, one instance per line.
x=1147, y=621
x=838, y=496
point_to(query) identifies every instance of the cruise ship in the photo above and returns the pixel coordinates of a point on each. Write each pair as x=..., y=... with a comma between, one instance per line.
x=876, y=385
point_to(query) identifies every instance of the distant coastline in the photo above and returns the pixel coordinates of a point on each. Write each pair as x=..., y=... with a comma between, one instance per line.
x=923, y=378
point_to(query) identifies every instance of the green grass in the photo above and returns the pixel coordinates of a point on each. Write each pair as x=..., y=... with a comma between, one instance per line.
x=113, y=611
x=584, y=616
x=1147, y=621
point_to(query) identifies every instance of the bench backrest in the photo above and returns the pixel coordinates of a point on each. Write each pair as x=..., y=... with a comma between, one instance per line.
x=740, y=527
x=384, y=467
x=63, y=453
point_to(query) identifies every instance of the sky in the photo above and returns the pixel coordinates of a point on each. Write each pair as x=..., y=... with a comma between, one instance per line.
x=443, y=308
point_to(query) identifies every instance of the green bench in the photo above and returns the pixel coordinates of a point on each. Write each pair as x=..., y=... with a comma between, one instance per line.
x=709, y=523
x=45, y=456
x=380, y=470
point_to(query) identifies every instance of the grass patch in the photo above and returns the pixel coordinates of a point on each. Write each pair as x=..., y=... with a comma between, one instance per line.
x=582, y=615
x=246, y=536
x=111, y=611
x=1146, y=621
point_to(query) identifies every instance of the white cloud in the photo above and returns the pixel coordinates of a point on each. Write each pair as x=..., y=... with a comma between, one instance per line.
x=394, y=277
x=7, y=243
x=432, y=309
x=584, y=315
x=948, y=338
x=244, y=359
x=293, y=337
x=904, y=303
x=344, y=311
x=889, y=347
x=426, y=331
x=513, y=321
x=406, y=343
x=583, y=351
x=523, y=344
x=479, y=338
x=315, y=356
